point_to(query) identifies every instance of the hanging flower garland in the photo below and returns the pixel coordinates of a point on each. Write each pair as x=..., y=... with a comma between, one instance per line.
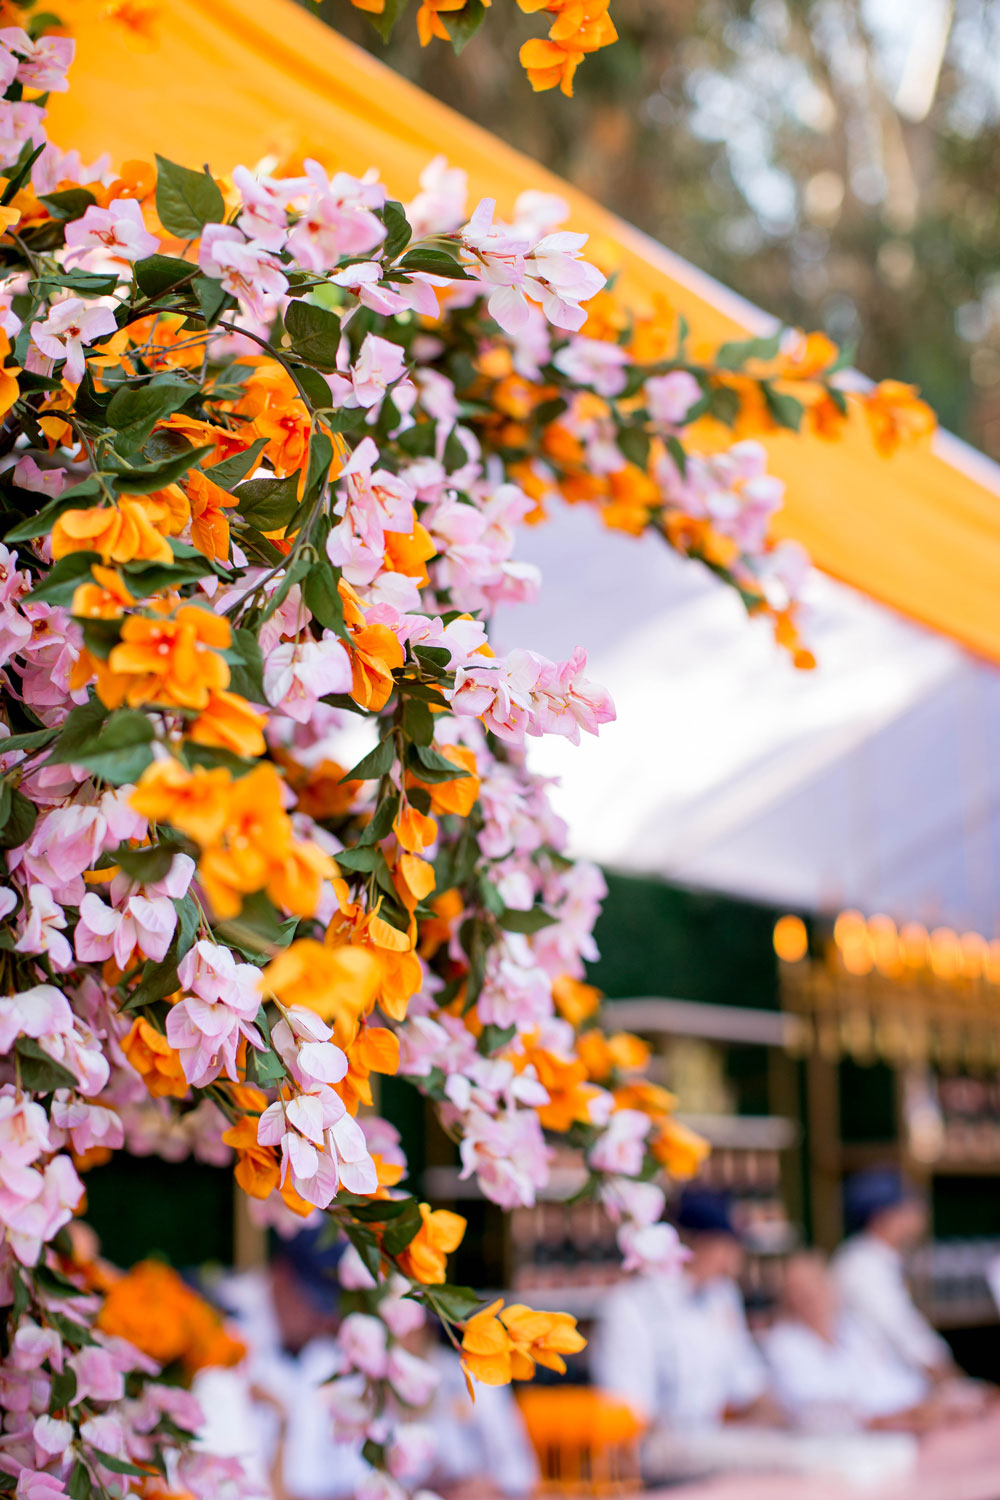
x=266, y=444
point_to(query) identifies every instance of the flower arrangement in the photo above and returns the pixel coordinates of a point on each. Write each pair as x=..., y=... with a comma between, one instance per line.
x=268, y=825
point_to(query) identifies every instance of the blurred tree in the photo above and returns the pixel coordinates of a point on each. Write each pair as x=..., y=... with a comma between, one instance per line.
x=835, y=161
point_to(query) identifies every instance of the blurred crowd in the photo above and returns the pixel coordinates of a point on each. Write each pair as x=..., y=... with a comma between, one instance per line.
x=845, y=1376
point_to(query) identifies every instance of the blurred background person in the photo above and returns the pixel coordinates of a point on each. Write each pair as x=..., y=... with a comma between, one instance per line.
x=677, y=1348
x=827, y=1373
x=274, y=1408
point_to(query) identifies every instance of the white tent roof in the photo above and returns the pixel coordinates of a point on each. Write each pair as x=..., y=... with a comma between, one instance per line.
x=873, y=781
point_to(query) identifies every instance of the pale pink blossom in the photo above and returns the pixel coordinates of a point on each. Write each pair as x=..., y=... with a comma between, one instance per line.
x=247, y=269
x=670, y=397
x=439, y=207
x=363, y=1342
x=622, y=1146
x=413, y=1380
x=42, y=63
x=140, y=923
x=117, y=230
x=43, y=929
x=222, y=997
x=69, y=326
x=298, y=673
x=595, y=363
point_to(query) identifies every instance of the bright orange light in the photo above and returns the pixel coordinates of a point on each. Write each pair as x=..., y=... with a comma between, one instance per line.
x=884, y=942
x=913, y=944
x=791, y=941
x=972, y=951
x=945, y=952
x=857, y=956
x=992, y=965
x=850, y=928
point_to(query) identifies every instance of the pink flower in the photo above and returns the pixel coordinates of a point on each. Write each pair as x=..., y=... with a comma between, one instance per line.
x=87, y=1125
x=508, y=1155
x=36, y=1485
x=104, y=932
x=265, y=206
x=303, y=1042
x=52, y=1435
x=69, y=326
x=206, y=1026
x=33, y=1221
x=622, y=1146
x=651, y=1248
x=42, y=1011
x=670, y=397
x=337, y=219
x=246, y=268
x=413, y=1379
x=98, y=1373
x=412, y=1452
x=298, y=673
x=42, y=931
x=118, y=230
x=380, y=363
x=594, y=363
x=41, y=64
x=439, y=207
x=363, y=1340
x=322, y=1147
x=29, y=476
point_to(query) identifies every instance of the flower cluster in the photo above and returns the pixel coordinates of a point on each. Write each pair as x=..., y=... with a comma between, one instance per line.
x=267, y=442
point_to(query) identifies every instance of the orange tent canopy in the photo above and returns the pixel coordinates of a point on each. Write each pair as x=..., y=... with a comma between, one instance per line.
x=221, y=82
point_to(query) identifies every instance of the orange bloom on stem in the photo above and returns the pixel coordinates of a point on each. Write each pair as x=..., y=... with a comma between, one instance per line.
x=173, y=661
x=119, y=533
x=155, y=1310
x=104, y=599
x=500, y=1346
x=680, y=1151
x=152, y=1056
x=339, y=984
x=257, y=836
x=425, y=1257
x=257, y=1171
x=574, y=1000
x=194, y=802
x=375, y=654
x=896, y=415
x=414, y=830
x=375, y=1049
x=429, y=22
x=229, y=722
x=458, y=796
x=209, y=523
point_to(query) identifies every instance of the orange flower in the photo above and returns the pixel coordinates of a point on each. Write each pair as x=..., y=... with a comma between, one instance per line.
x=257, y=1171
x=9, y=388
x=896, y=415
x=565, y=1081
x=375, y=1049
x=458, y=796
x=549, y=66
x=155, y=1310
x=499, y=1347
x=434, y=931
x=678, y=1150
x=194, y=802
x=429, y=22
x=574, y=1000
x=400, y=974
x=169, y=660
x=229, y=722
x=414, y=880
x=408, y=554
x=339, y=984
x=414, y=830
x=605, y=1055
x=375, y=654
x=257, y=837
x=295, y=882
x=425, y=1257
x=105, y=599
x=209, y=524
x=119, y=533
x=152, y=1056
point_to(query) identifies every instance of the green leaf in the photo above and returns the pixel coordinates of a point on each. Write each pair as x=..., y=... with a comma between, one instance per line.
x=70, y=203
x=634, y=443
x=20, y=817
x=119, y=752
x=268, y=504
x=318, y=393
x=257, y=928
x=158, y=476
x=145, y=578
x=381, y=1212
x=397, y=230
x=418, y=722
x=381, y=824
x=80, y=726
x=363, y=859
x=64, y=577
x=322, y=596
x=232, y=470
x=18, y=174
x=492, y=1038
x=437, y=262
x=83, y=283
x=377, y=762
x=785, y=409
x=434, y=766
x=149, y=863
x=118, y=1465
x=457, y=1303
x=62, y=1390
x=79, y=1482
x=40, y=1073
x=43, y=520
x=33, y=740
x=186, y=201
x=156, y=274
x=434, y=660
x=401, y=1231
x=366, y=1245
x=462, y=25
x=246, y=666
x=734, y=355
x=212, y=298
x=320, y=459
x=315, y=334
x=532, y=920
x=135, y=410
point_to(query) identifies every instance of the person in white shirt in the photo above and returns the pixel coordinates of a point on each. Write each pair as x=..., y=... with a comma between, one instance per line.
x=888, y=1220
x=827, y=1374
x=676, y=1346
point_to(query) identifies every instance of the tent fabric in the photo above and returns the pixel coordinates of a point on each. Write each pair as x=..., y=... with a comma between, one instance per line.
x=870, y=783
x=223, y=82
